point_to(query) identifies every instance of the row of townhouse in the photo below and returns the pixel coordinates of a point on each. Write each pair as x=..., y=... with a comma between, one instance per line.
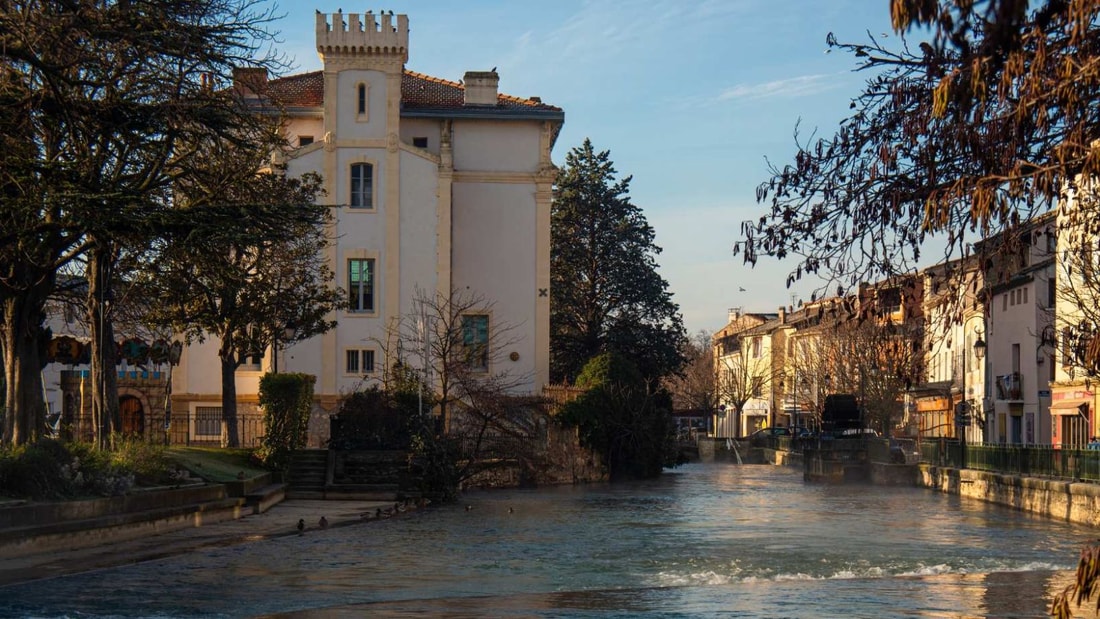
x=980, y=349
x=437, y=186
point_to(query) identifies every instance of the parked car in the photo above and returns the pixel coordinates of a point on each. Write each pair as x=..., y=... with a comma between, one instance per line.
x=757, y=438
x=857, y=433
x=802, y=432
x=904, y=451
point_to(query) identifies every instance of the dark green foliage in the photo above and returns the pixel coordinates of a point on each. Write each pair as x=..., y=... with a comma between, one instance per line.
x=618, y=417
x=370, y=419
x=606, y=293
x=287, y=400
x=106, y=108
x=49, y=469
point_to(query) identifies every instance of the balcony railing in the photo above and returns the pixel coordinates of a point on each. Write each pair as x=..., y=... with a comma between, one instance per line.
x=1010, y=386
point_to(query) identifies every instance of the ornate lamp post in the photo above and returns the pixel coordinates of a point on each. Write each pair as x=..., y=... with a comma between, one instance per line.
x=979, y=354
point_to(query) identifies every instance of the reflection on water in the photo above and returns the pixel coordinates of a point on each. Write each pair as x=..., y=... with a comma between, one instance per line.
x=705, y=540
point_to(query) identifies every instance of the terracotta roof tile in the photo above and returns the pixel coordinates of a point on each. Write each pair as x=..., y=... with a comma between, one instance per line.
x=418, y=91
x=304, y=89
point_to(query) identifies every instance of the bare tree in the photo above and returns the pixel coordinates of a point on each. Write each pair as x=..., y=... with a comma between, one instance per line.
x=877, y=362
x=740, y=380
x=472, y=411
x=693, y=387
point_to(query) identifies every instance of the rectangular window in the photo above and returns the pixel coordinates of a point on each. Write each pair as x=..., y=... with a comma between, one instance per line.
x=1050, y=292
x=361, y=285
x=208, y=421
x=475, y=340
x=1025, y=296
x=1004, y=305
x=361, y=99
x=362, y=185
x=252, y=363
x=420, y=142
x=305, y=140
x=359, y=361
x=1016, y=358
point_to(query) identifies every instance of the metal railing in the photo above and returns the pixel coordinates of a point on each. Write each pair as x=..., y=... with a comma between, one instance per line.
x=1026, y=461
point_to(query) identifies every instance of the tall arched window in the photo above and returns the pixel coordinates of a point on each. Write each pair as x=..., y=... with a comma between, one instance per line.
x=361, y=100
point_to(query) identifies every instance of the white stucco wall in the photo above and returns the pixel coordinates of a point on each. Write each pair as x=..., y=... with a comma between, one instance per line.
x=421, y=128
x=494, y=256
x=497, y=146
x=419, y=228
x=298, y=127
x=348, y=122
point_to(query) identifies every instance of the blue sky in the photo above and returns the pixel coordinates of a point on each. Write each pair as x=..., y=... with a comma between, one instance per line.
x=690, y=96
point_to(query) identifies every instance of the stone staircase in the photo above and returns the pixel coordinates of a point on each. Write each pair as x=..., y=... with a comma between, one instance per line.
x=307, y=474
x=367, y=475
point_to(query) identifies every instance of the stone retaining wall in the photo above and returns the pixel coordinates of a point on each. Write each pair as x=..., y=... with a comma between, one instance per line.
x=1064, y=500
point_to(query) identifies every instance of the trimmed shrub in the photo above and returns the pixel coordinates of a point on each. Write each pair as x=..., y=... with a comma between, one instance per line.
x=287, y=401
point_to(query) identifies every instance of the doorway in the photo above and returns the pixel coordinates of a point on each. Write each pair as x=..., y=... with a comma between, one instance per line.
x=133, y=417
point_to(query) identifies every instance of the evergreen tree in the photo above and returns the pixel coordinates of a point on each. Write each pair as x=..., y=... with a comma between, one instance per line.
x=606, y=292
x=619, y=417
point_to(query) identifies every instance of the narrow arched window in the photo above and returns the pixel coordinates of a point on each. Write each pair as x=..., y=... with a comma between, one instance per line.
x=361, y=98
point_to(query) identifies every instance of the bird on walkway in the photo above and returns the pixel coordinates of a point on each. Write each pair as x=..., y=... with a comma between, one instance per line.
x=378, y=513
x=511, y=510
x=301, y=525
x=323, y=522
x=469, y=507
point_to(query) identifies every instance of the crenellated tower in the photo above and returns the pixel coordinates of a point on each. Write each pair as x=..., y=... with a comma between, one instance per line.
x=362, y=40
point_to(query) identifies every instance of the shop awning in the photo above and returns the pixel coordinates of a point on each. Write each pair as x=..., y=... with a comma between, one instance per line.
x=1067, y=407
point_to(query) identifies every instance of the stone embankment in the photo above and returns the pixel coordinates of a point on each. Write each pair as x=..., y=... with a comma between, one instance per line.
x=1065, y=500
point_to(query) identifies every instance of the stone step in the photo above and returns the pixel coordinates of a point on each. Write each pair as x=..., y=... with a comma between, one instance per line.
x=96, y=531
x=263, y=499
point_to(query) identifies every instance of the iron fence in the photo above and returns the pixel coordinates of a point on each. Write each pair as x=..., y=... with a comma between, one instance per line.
x=1025, y=461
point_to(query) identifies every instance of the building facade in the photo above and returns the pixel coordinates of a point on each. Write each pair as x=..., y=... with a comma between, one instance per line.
x=439, y=188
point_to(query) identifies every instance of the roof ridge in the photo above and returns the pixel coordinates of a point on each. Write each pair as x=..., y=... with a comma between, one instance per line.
x=432, y=78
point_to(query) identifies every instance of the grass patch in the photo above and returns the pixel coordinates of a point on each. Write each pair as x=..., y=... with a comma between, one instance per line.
x=216, y=464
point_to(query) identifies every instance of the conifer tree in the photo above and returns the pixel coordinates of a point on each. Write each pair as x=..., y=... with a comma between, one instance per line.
x=606, y=292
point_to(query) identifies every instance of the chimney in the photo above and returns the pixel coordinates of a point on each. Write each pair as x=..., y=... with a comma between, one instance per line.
x=481, y=87
x=734, y=313
x=250, y=80
x=782, y=315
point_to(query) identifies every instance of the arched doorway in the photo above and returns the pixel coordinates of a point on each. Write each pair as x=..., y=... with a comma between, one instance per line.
x=133, y=417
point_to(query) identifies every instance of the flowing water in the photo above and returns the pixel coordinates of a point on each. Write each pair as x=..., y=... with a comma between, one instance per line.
x=705, y=540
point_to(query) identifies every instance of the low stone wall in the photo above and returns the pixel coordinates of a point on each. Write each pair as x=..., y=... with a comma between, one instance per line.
x=1064, y=500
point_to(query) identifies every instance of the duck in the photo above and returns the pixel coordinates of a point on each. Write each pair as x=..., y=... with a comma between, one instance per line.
x=323, y=522
x=301, y=525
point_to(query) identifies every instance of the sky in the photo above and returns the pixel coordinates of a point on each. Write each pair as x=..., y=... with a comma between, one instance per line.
x=692, y=98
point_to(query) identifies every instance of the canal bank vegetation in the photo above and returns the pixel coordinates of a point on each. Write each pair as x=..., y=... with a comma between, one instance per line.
x=619, y=417
x=615, y=331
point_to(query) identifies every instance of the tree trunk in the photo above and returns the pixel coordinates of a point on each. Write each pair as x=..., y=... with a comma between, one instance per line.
x=105, y=409
x=230, y=435
x=24, y=414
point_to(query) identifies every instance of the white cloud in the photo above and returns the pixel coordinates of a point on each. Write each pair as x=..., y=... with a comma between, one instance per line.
x=799, y=86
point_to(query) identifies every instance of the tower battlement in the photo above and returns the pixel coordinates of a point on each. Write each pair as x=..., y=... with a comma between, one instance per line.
x=355, y=34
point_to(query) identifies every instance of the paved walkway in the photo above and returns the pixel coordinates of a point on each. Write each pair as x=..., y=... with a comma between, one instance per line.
x=281, y=519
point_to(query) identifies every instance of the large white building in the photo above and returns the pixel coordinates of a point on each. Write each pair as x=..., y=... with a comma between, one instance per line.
x=438, y=185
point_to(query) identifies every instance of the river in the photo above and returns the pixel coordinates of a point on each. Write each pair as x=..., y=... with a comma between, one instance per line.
x=704, y=540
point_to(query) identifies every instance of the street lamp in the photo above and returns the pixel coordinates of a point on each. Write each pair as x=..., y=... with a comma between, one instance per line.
x=979, y=354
